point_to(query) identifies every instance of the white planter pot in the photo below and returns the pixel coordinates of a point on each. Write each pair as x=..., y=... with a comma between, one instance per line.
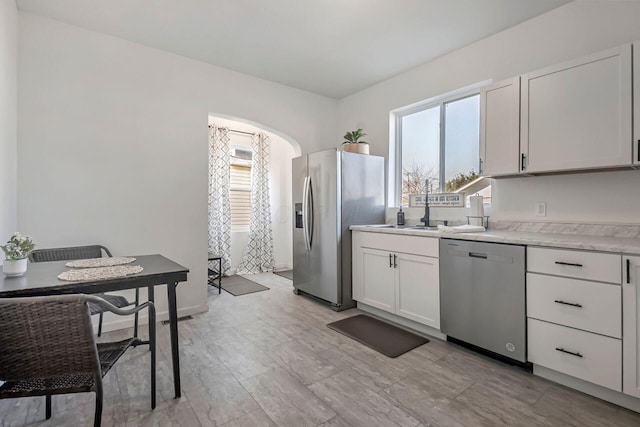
x=361, y=148
x=14, y=268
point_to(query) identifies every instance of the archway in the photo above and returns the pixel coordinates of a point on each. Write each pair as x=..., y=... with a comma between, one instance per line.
x=283, y=149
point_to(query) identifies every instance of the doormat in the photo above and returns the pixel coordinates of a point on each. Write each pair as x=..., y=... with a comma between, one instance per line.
x=180, y=319
x=238, y=285
x=287, y=274
x=378, y=335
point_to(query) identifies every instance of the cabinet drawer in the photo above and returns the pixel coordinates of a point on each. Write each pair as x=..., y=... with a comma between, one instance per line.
x=426, y=246
x=594, y=307
x=596, y=358
x=579, y=264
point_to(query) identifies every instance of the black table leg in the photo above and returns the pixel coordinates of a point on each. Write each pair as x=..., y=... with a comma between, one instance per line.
x=173, y=329
x=152, y=327
x=152, y=345
x=219, y=276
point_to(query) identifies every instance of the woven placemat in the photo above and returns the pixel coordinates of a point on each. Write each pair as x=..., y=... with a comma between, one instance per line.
x=99, y=273
x=100, y=262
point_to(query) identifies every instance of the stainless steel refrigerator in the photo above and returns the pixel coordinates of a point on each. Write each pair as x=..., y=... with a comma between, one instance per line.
x=332, y=190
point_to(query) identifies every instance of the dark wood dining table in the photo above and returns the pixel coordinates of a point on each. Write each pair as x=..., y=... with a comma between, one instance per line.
x=41, y=279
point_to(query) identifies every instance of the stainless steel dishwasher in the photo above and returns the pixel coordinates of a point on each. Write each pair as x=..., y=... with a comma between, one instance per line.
x=482, y=296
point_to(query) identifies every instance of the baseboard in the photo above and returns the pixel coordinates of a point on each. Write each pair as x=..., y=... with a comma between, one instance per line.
x=127, y=321
x=401, y=322
x=591, y=389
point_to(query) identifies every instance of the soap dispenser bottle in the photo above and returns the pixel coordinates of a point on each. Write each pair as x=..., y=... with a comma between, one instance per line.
x=400, y=217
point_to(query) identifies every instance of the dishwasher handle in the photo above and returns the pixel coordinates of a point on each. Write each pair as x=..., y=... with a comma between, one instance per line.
x=477, y=255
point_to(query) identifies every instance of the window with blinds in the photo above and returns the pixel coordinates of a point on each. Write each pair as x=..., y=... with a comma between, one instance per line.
x=240, y=195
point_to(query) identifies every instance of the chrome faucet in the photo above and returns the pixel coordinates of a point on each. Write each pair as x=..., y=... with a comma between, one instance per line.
x=425, y=218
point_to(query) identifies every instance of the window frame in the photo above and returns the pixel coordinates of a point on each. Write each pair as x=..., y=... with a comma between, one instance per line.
x=395, y=169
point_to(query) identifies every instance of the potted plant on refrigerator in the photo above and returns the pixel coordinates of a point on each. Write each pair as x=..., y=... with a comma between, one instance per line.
x=353, y=144
x=16, y=251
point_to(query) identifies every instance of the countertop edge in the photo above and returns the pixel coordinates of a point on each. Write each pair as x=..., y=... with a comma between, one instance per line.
x=624, y=246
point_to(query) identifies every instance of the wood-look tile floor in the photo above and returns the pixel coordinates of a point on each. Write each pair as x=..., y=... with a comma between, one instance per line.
x=267, y=359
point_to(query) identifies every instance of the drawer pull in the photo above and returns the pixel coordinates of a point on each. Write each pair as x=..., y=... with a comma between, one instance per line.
x=572, y=304
x=572, y=264
x=568, y=352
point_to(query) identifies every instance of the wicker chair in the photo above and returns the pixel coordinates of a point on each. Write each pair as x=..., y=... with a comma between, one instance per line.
x=47, y=347
x=85, y=252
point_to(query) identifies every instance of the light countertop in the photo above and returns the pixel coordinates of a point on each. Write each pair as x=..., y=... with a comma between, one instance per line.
x=623, y=245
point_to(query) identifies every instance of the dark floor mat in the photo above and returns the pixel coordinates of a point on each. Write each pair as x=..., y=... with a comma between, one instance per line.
x=238, y=285
x=378, y=335
x=287, y=274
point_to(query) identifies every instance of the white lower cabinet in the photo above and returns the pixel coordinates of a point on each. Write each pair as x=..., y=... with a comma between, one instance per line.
x=631, y=326
x=575, y=322
x=379, y=279
x=590, y=306
x=418, y=289
x=590, y=357
x=403, y=283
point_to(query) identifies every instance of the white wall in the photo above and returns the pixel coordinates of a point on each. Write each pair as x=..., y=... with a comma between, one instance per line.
x=8, y=118
x=281, y=152
x=113, y=142
x=573, y=30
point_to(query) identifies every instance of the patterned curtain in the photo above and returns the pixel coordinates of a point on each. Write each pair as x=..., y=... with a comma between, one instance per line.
x=258, y=256
x=219, y=204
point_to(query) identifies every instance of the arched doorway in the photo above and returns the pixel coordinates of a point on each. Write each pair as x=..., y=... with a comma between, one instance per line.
x=282, y=150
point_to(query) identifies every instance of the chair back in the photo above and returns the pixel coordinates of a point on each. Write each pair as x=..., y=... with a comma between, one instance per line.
x=44, y=337
x=67, y=254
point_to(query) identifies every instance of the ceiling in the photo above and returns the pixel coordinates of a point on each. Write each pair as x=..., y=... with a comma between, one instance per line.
x=330, y=47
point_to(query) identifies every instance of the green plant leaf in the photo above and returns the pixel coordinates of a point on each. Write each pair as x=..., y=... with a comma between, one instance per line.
x=353, y=137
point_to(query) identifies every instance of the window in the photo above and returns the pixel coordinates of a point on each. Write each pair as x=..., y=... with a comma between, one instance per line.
x=240, y=187
x=439, y=141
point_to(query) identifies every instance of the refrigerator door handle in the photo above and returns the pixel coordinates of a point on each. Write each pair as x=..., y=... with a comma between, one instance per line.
x=311, y=215
x=305, y=213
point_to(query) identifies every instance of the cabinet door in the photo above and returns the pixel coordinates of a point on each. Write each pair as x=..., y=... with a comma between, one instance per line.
x=500, y=128
x=631, y=326
x=418, y=289
x=378, y=279
x=357, y=281
x=578, y=115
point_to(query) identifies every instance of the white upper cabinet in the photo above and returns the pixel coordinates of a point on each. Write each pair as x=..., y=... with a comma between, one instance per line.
x=636, y=102
x=578, y=115
x=500, y=128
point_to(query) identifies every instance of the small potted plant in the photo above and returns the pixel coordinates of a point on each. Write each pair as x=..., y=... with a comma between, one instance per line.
x=353, y=144
x=16, y=251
